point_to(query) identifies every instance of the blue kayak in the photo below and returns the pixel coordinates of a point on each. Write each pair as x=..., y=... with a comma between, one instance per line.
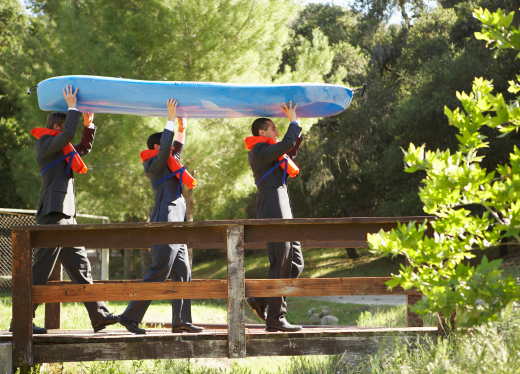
x=196, y=100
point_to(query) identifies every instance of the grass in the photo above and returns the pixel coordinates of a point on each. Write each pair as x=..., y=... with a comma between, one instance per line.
x=326, y=262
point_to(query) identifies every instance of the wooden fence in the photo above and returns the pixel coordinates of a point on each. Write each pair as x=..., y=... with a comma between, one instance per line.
x=238, y=340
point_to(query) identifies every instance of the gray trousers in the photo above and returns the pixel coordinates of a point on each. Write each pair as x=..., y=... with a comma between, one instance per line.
x=172, y=261
x=74, y=261
x=286, y=261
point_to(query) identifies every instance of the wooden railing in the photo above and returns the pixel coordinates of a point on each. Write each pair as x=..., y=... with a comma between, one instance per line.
x=234, y=235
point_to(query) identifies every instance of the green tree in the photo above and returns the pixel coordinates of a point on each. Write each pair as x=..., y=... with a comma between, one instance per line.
x=474, y=208
x=352, y=162
x=13, y=23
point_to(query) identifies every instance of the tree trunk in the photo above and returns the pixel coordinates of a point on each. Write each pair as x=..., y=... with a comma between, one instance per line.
x=353, y=253
x=129, y=257
x=188, y=196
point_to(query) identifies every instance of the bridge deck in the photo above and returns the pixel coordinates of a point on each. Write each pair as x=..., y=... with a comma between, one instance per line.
x=108, y=345
x=238, y=340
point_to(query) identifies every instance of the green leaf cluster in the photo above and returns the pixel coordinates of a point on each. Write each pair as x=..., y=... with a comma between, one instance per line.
x=473, y=208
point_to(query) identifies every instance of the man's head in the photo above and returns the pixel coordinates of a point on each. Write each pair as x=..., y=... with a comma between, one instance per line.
x=154, y=140
x=56, y=120
x=264, y=127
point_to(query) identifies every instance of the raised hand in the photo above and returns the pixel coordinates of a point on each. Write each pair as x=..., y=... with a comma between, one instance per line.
x=172, y=109
x=290, y=112
x=70, y=97
x=88, y=118
x=183, y=123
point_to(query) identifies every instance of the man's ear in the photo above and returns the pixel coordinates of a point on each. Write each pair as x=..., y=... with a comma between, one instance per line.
x=156, y=146
x=261, y=132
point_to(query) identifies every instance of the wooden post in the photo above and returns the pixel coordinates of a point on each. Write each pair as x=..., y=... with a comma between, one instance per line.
x=413, y=319
x=236, y=292
x=22, y=299
x=445, y=329
x=53, y=311
x=6, y=358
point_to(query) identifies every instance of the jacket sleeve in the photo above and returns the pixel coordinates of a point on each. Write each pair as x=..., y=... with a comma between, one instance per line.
x=272, y=152
x=159, y=163
x=87, y=140
x=54, y=144
x=177, y=150
x=293, y=152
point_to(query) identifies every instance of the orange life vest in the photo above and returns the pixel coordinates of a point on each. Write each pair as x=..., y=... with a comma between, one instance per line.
x=292, y=168
x=70, y=155
x=174, y=165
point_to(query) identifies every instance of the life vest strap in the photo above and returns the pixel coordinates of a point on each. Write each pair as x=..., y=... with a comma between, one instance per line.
x=284, y=161
x=68, y=155
x=180, y=172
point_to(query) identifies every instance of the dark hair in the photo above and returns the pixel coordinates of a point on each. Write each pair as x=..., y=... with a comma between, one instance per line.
x=259, y=124
x=56, y=118
x=154, y=139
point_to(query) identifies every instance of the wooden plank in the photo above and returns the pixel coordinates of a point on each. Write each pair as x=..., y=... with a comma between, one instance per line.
x=22, y=299
x=322, y=287
x=6, y=358
x=53, y=310
x=254, y=332
x=304, y=244
x=126, y=237
x=243, y=222
x=325, y=232
x=236, y=292
x=289, y=346
x=129, y=351
x=139, y=235
x=128, y=291
x=92, y=347
x=213, y=289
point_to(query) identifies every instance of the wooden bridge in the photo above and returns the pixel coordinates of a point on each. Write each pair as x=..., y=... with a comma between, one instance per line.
x=236, y=340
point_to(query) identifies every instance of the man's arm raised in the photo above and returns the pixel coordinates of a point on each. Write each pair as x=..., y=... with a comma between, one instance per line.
x=178, y=145
x=160, y=163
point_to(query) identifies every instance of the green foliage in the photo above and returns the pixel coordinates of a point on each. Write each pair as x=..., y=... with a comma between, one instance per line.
x=474, y=208
x=353, y=161
x=12, y=139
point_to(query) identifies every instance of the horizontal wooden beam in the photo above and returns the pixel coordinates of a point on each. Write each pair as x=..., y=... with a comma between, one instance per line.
x=164, y=345
x=242, y=222
x=141, y=350
x=212, y=289
x=127, y=237
x=304, y=244
x=320, y=232
x=322, y=287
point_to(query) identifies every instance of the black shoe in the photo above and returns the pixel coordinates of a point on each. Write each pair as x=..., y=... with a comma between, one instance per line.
x=187, y=327
x=284, y=326
x=109, y=319
x=36, y=329
x=258, y=308
x=130, y=325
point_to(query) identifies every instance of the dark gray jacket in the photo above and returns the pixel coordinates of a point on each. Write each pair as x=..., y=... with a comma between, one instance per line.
x=58, y=193
x=157, y=168
x=273, y=196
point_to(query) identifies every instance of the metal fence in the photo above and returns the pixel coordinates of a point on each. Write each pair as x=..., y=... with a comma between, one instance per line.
x=11, y=217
